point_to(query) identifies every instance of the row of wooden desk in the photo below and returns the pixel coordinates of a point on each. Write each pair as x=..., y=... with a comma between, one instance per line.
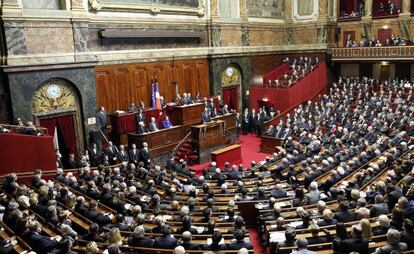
x=202, y=135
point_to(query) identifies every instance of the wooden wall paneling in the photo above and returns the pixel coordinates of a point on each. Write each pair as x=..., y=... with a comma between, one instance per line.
x=103, y=89
x=139, y=82
x=119, y=85
x=122, y=88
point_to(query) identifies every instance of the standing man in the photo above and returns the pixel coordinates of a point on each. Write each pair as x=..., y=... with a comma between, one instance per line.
x=140, y=117
x=102, y=118
x=95, y=156
x=246, y=122
x=205, y=116
x=145, y=154
x=112, y=153
x=134, y=154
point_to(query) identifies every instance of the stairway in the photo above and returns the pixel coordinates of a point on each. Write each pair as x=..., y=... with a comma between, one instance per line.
x=185, y=151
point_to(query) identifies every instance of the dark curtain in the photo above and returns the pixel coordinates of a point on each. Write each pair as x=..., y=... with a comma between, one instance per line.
x=365, y=69
x=230, y=97
x=49, y=124
x=348, y=6
x=403, y=70
x=66, y=126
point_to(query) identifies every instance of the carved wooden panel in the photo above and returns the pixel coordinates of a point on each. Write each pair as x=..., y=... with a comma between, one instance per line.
x=119, y=85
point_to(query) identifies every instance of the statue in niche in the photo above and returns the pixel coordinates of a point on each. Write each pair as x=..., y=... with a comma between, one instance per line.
x=322, y=34
x=287, y=35
x=367, y=30
x=305, y=7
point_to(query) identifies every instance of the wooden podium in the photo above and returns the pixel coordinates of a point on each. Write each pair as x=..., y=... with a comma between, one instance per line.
x=207, y=135
x=187, y=114
x=269, y=144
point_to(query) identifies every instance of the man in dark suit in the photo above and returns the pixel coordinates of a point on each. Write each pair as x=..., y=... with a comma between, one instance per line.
x=357, y=243
x=344, y=215
x=215, y=245
x=139, y=239
x=122, y=154
x=134, y=154
x=145, y=154
x=102, y=118
x=141, y=128
x=132, y=108
x=40, y=243
x=166, y=241
x=112, y=153
x=140, y=117
x=239, y=235
x=94, y=156
x=246, y=122
x=94, y=215
x=380, y=207
x=210, y=104
x=186, y=242
x=205, y=116
x=278, y=192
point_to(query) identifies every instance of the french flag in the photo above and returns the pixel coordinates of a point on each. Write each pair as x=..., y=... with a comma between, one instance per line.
x=157, y=96
x=152, y=94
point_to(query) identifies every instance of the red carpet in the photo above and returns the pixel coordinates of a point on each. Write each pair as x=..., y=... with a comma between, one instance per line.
x=255, y=241
x=250, y=147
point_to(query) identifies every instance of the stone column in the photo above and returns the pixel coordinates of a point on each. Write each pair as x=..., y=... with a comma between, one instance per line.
x=288, y=11
x=11, y=8
x=406, y=8
x=368, y=9
x=79, y=9
x=214, y=15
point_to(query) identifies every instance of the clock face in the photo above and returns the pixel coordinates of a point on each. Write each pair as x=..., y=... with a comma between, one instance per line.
x=229, y=72
x=54, y=91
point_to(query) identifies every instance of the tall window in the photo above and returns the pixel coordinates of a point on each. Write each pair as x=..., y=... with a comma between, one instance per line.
x=44, y=4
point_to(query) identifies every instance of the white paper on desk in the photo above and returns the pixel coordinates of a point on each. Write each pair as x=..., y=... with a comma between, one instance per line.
x=199, y=229
x=259, y=206
x=127, y=206
x=167, y=217
x=295, y=223
x=280, y=204
x=210, y=241
x=323, y=196
x=144, y=198
x=277, y=236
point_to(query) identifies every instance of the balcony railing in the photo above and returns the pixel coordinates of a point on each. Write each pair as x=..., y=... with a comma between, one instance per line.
x=373, y=53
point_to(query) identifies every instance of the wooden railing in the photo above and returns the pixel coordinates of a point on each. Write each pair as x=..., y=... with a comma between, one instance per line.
x=373, y=53
x=15, y=128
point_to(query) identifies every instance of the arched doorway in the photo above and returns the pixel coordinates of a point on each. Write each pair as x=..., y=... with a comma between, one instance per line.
x=56, y=106
x=231, y=87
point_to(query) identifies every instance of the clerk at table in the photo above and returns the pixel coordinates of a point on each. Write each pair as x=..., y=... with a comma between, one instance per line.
x=132, y=108
x=205, y=116
x=166, y=123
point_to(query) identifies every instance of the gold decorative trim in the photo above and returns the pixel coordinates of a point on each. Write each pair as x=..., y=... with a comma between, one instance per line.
x=98, y=5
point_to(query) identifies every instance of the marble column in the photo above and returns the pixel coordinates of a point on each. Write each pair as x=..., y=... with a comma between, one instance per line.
x=214, y=15
x=406, y=8
x=288, y=10
x=368, y=9
x=243, y=11
x=323, y=10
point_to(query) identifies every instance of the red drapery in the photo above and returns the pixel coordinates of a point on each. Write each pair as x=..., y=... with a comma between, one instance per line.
x=284, y=98
x=279, y=71
x=230, y=97
x=67, y=128
x=348, y=6
x=126, y=122
x=376, y=5
x=383, y=35
x=25, y=153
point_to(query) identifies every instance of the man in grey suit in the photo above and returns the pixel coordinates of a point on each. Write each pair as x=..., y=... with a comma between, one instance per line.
x=302, y=244
x=153, y=125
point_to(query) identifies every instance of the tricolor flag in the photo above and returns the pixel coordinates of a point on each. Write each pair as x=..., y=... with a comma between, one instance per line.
x=157, y=96
x=152, y=93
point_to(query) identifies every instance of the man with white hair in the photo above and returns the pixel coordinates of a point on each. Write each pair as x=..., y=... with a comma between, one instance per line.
x=179, y=250
x=313, y=195
x=394, y=245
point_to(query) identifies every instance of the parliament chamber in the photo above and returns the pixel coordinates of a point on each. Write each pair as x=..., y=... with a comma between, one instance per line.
x=207, y=126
